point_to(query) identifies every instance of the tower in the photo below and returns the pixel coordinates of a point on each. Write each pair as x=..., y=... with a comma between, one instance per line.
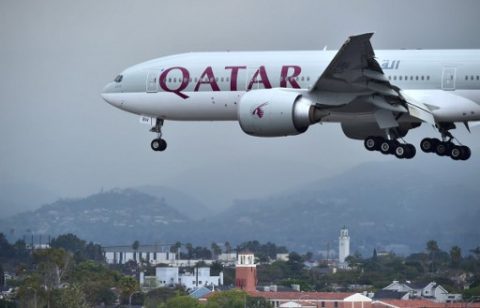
x=246, y=272
x=343, y=245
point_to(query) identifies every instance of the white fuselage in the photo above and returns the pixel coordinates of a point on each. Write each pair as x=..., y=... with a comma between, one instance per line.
x=209, y=86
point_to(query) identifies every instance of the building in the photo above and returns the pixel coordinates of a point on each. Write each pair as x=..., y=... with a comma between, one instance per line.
x=431, y=291
x=153, y=254
x=419, y=303
x=343, y=246
x=315, y=299
x=171, y=276
x=246, y=272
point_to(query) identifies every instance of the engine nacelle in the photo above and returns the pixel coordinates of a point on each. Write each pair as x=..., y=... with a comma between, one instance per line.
x=274, y=113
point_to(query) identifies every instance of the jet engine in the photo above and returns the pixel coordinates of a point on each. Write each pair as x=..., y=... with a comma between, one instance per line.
x=275, y=113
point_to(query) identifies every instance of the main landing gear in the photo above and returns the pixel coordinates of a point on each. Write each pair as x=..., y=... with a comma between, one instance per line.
x=393, y=147
x=445, y=147
x=158, y=144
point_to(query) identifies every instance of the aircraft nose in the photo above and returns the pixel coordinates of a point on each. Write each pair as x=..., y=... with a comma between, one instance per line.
x=107, y=92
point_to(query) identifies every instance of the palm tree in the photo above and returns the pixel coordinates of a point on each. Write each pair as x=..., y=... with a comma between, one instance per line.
x=455, y=255
x=432, y=248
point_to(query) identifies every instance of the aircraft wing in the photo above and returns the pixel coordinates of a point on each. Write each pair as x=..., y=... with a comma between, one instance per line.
x=355, y=71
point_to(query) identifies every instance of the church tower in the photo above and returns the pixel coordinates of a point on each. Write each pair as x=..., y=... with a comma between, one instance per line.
x=343, y=245
x=246, y=272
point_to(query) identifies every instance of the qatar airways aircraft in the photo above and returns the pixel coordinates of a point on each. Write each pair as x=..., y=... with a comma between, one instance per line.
x=376, y=97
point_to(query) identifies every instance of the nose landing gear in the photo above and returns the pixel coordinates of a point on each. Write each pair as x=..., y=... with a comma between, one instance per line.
x=158, y=144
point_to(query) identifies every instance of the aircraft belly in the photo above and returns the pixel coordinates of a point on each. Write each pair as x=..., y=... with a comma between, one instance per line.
x=199, y=106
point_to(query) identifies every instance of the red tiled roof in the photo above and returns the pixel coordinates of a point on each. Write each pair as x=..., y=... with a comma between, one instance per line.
x=301, y=295
x=423, y=303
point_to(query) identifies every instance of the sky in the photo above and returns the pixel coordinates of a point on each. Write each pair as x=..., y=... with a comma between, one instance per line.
x=60, y=139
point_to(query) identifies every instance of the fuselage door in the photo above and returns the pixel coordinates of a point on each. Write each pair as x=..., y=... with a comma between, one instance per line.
x=152, y=81
x=448, y=78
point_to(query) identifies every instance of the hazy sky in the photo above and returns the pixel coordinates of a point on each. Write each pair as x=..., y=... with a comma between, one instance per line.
x=59, y=135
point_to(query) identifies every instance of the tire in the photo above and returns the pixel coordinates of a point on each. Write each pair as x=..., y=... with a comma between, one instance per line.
x=158, y=145
x=442, y=149
x=466, y=153
x=456, y=152
x=427, y=145
x=411, y=151
x=400, y=151
x=371, y=143
x=386, y=147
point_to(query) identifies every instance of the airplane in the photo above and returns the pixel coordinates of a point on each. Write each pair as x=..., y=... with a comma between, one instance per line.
x=377, y=97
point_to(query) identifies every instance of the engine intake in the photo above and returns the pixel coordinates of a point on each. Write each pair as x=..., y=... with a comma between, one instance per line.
x=275, y=113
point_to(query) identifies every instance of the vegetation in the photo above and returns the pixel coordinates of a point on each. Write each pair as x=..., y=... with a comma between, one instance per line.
x=73, y=273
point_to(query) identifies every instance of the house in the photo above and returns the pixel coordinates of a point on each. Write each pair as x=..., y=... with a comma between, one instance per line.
x=430, y=290
x=390, y=294
x=419, y=303
x=171, y=276
x=315, y=299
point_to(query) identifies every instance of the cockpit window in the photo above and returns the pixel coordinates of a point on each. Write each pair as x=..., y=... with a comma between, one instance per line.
x=118, y=78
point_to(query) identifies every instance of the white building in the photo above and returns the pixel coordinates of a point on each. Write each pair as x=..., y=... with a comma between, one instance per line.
x=171, y=276
x=152, y=254
x=343, y=245
x=431, y=290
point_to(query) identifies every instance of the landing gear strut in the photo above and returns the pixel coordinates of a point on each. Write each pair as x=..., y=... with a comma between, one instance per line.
x=393, y=147
x=158, y=144
x=445, y=147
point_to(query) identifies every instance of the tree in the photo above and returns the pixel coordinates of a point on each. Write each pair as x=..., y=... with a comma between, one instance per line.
x=175, y=248
x=228, y=299
x=216, y=250
x=432, y=249
x=2, y=276
x=182, y=302
x=228, y=247
x=160, y=296
x=455, y=256
x=69, y=242
x=189, y=248
x=70, y=296
x=128, y=285
x=6, y=250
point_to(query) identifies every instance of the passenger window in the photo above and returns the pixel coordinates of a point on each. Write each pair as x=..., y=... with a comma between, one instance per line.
x=423, y=78
x=389, y=77
x=428, y=77
x=169, y=79
x=466, y=77
x=308, y=78
x=303, y=78
x=406, y=77
x=399, y=77
x=471, y=77
x=478, y=77
x=411, y=77
x=416, y=77
x=228, y=79
x=221, y=79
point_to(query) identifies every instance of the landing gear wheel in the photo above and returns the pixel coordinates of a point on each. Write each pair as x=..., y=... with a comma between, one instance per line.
x=466, y=153
x=388, y=147
x=410, y=150
x=372, y=143
x=443, y=148
x=456, y=152
x=401, y=151
x=428, y=145
x=158, y=145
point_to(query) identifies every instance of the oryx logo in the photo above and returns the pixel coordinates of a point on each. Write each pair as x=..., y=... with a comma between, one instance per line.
x=258, y=111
